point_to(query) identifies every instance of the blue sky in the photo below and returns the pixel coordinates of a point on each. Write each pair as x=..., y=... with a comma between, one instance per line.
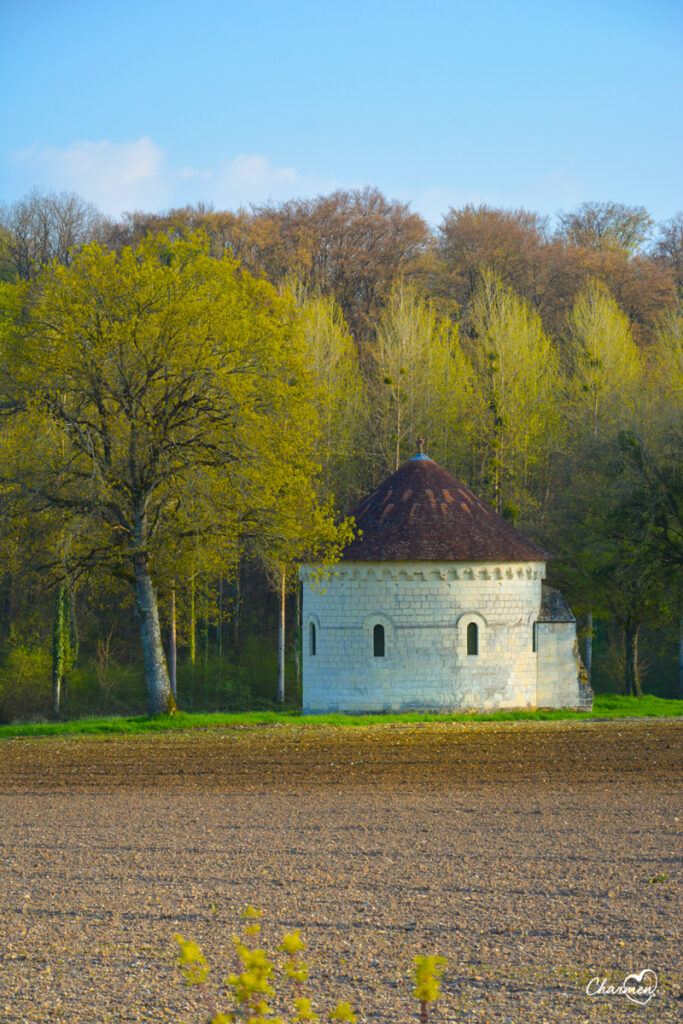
x=536, y=103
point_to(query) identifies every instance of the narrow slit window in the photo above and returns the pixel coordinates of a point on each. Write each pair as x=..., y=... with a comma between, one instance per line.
x=533, y=638
x=472, y=638
x=378, y=641
x=311, y=639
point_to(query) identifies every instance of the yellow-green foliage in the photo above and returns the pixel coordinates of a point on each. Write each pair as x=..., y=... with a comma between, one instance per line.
x=192, y=961
x=343, y=1011
x=222, y=430
x=428, y=970
x=606, y=368
x=24, y=679
x=513, y=397
x=161, y=414
x=419, y=374
x=337, y=390
x=257, y=974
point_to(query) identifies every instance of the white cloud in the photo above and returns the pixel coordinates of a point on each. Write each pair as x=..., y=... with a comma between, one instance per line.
x=116, y=176
x=137, y=175
x=251, y=178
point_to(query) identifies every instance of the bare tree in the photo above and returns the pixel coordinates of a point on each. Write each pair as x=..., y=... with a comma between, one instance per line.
x=606, y=226
x=668, y=247
x=507, y=242
x=351, y=244
x=45, y=226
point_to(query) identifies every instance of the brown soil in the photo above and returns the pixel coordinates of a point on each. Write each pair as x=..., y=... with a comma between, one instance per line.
x=534, y=856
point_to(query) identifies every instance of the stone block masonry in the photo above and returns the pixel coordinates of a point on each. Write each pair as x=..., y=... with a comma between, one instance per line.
x=424, y=610
x=560, y=668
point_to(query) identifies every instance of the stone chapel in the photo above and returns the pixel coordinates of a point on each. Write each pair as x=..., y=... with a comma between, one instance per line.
x=438, y=604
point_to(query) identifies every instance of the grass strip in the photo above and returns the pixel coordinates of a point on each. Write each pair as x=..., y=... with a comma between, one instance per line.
x=607, y=706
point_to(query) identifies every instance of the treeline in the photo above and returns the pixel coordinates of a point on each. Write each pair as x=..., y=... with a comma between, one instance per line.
x=544, y=367
x=354, y=244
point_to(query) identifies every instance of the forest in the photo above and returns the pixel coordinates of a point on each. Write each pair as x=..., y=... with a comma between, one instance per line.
x=191, y=404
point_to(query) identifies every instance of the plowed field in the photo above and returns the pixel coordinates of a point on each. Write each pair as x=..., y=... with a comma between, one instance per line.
x=535, y=856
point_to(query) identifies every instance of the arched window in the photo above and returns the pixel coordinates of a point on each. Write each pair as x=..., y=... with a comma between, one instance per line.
x=311, y=639
x=378, y=641
x=472, y=638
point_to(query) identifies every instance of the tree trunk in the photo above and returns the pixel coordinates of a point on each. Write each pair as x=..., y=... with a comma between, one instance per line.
x=237, y=609
x=632, y=675
x=398, y=430
x=71, y=641
x=58, y=649
x=219, y=639
x=497, y=424
x=281, y=642
x=204, y=629
x=297, y=638
x=172, y=648
x=74, y=641
x=219, y=625
x=161, y=700
x=193, y=625
x=589, y=645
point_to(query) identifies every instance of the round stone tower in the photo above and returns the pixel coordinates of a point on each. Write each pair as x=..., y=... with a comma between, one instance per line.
x=435, y=605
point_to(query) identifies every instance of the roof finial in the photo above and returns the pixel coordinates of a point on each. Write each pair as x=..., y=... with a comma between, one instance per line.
x=420, y=445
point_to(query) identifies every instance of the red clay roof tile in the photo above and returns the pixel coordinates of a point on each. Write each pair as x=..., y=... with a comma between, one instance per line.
x=427, y=529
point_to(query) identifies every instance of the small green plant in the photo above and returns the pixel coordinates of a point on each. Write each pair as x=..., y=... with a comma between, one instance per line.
x=253, y=983
x=343, y=1011
x=193, y=962
x=659, y=878
x=428, y=970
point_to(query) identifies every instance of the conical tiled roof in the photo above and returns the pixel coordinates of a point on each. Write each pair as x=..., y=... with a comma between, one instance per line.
x=423, y=514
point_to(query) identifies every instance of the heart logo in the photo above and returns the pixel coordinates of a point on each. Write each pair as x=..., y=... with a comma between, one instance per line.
x=643, y=984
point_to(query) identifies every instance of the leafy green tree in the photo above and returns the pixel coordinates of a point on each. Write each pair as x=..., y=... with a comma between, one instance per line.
x=418, y=380
x=159, y=406
x=627, y=540
x=515, y=411
x=667, y=363
x=609, y=562
x=338, y=395
x=657, y=464
x=606, y=368
x=652, y=503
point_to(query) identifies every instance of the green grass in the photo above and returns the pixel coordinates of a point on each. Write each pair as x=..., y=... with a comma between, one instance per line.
x=605, y=707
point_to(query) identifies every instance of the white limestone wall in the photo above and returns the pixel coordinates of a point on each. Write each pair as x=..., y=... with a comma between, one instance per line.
x=559, y=666
x=425, y=609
